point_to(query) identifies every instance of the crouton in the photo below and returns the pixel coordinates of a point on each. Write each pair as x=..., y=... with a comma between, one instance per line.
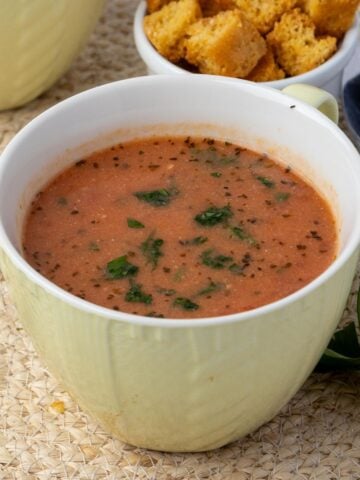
x=154, y=5
x=226, y=44
x=166, y=27
x=296, y=48
x=266, y=70
x=213, y=7
x=264, y=13
x=332, y=17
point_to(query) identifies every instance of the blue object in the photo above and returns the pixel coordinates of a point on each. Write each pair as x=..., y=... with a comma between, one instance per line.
x=351, y=97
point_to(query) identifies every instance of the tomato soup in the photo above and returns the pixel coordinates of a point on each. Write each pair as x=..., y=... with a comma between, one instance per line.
x=179, y=228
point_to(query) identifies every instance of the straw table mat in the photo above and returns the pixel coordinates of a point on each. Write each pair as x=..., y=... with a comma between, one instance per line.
x=316, y=436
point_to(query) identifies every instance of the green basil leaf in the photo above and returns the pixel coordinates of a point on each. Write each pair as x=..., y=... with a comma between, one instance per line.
x=245, y=236
x=157, y=198
x=212, y=287
x=136, y=295
x=213, y=216
x=132, y=223
x=194, y=241
x=214, y=260
x=267, y=182
x=282, y=196
x=185, y=304
x=120, y=268
x=151, y=248
x=94, y=247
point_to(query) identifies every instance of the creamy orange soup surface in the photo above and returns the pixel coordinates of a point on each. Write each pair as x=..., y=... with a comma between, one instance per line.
x=179, y=228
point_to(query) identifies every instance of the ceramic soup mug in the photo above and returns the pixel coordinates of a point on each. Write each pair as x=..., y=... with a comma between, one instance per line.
x=175, y=384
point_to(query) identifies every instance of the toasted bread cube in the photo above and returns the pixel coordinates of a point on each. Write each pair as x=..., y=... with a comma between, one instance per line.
x=296, y=48
x=332, y=17
x=267, y=69
x=264, y=13
x=213, y=7
x=227, y=44
x=154, y=5
x=166, y=27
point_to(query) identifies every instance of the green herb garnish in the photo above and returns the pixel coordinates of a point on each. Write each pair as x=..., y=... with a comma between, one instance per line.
x=132, y=223
x=266, y=181
x=216, y=174
x=168, y=292
x=211, y=288
x=237, y=268
x=185, y=303
x=194, y=241
x=151, y=248
x=94, y=247
x=62, y=201
x=213, y=216
x=212, y=157
x=136, y=295
x=120, y=268
x=179, y=274
x=244, y=235
x=282, y=196
x=157, y=198
x=214, y=260
x=343, y=351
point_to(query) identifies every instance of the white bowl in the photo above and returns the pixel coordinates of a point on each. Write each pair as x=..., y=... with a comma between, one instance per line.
x=326, y=76
x=175, y=384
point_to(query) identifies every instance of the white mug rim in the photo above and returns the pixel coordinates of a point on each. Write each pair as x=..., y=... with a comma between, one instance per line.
x=93, y=309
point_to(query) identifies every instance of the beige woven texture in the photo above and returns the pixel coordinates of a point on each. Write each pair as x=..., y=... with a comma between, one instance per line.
x=316, y=436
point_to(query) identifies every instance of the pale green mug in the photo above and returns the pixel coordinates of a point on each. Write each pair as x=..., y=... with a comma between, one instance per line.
x=175, y=384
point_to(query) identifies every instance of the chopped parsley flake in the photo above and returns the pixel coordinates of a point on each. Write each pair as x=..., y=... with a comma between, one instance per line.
x=238, y=268
x=194, y=241
x=120, y=268
x=282, y=196
x=132, y=223
x=185, y=303
x=136, y=295
x=213, y=216
x=151, y=248
x=266, y=181
x=212, y=157
x=245, y=236
x=214, y=260
x=62, y=201
x=157, y=198
x=212, y=287
x=179, y=274
x=94, y=247
x=168, y=292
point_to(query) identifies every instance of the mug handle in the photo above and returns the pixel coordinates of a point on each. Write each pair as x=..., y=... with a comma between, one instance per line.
x=316, y=97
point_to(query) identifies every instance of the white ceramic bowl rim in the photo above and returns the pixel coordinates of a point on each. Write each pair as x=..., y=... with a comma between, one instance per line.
x=166, y=80
x=328, y=70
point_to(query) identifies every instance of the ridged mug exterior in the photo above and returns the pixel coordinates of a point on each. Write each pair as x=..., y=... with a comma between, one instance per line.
x=180, y=389
x=181, y=385
x=39, y=39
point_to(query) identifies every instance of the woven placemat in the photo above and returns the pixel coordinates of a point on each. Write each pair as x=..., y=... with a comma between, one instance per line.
x=316, y=436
